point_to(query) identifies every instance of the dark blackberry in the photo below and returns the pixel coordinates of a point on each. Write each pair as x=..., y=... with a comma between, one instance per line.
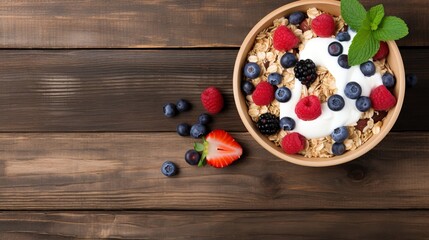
x=268, y=124
x=305, y=71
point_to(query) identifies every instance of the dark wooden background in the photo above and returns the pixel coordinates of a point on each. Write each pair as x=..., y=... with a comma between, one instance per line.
x=82, y=135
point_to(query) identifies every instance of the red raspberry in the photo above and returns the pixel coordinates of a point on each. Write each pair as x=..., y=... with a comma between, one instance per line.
x=263, y=94
x=382, y=99
x=212, y=100
x=308, y=108
x=293, y=143
x=383, y=51
x=284, y=39
x=323, y=25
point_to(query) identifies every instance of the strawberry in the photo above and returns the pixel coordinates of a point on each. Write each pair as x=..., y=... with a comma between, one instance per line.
x=382, y=52
x=323, y=25
x=308, y=108
x=284, y=39
x=382, y=99
x=263, y=94
x=212, y=100
x=293, y=143
x=220, y=149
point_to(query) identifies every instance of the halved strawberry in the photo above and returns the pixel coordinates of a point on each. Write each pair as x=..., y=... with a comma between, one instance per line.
x=220, y=149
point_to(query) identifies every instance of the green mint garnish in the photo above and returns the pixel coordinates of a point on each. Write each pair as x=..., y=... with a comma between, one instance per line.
x=372, y=27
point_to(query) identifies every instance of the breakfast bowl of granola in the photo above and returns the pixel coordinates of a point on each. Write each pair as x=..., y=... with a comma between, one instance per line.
x=320, y=82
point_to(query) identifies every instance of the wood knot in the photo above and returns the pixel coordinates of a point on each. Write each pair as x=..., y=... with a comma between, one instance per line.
x=272, y=184
x=356, y=173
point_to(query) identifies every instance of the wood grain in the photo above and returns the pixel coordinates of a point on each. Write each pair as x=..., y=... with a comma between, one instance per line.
x=122, y=171
x=161, y=23
x=124, y=90
x=216, y=225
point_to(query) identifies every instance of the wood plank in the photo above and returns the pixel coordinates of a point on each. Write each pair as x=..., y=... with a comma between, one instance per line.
x=216, y=225
x=154, y=24
x=122, y=171
x=124, y=90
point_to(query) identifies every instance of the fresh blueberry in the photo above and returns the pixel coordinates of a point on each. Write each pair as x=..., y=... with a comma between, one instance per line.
x=343, y=36
x=247, y=87
x=296, y=18
x=192, y=157
x=170, y=110
x=338, y=148
x=252, y=70
x=411, y=80
x=287, y=123
x=367, y=68
x=168, y=169
x=198, y=130
x=343, y=61
x=283, y=94
x=335, y=49
x=340, y=134
x=274, y=78
x=336, y=102
x=388, y=80
x=182, y=105
x=363, y=103
x=204, y=119
x=183, y=129
x=353, y=90
x=288, y=60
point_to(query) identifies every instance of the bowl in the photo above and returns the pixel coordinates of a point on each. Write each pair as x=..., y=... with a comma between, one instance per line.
x=394, y=60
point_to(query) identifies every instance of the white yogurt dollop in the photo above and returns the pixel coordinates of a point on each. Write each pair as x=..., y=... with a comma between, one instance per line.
x=316, y=49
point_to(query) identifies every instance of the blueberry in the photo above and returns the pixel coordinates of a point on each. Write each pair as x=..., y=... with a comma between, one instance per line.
x=411, y=80
x=338, y=148
x=183, y=129
x=296, y=18
x=388, y=80
x=192, y=157
x=198, y=130
x=288, y=60
x=335, y=49
x=170, y=110
x=274, y=78
x=252, y=70
x=343, y=36
x=247, y=87
x=363, y=103
x=353, y=90
x=287, y=123
x=336, y=102
x=204, y=119
x=168, y=169
x=182, y=105
x=340, y=134
x=343, y=61
x=367, y=68
x=283, y=94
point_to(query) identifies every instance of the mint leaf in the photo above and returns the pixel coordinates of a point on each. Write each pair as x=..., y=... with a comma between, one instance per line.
x=391, y=28
x=199, y=147
x=363, y=47
x=376, y=14
x=353, y=13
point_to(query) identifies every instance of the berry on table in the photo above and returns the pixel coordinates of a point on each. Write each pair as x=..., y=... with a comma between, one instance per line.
x=212, y=100
x=382, y=52
x=198, y=130
x=183, y=129
x=305, y=71
x=308, y=108
x=275, y=78
x=170, y=110
x=268, y=124
x=353, y=90
x=287, y=124
x=335, y=49
x=182, y=105
x=388, y=80
x=192, y=157
x=283, y=94
x=220, y=149
x=343, y=36
x=338, y=148
x=204, y=119
x=296, y=18
x=340, y=134
x=323, y=25
x=363, y=103
x=382, y=99
x=336, y=102
x=252, y=70
x=411, y=80
x=169, y=169
x=247, y=87
x=343, y=61
x=284, y=39
x=367, y=68
x=288, y=60
x=293, y=143
x=263, y=94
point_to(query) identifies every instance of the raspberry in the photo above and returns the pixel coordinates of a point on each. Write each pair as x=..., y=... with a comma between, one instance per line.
x=284, y=39
x=382, y=99
x=323, y=25
x=293, y=143
x=383, y=51
x=212, y=100
x=308, y=108
x=263, y=94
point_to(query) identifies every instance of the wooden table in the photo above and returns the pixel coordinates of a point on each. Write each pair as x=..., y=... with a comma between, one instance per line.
x=83, y=135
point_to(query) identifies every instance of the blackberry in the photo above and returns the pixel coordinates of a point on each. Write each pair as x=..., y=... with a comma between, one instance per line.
x=268, y=124
x=305, y=71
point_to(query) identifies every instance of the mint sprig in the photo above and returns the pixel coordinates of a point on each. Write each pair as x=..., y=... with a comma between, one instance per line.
x=372, y=27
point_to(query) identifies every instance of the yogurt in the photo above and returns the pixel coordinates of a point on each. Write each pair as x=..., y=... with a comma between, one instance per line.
x=316, y=49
